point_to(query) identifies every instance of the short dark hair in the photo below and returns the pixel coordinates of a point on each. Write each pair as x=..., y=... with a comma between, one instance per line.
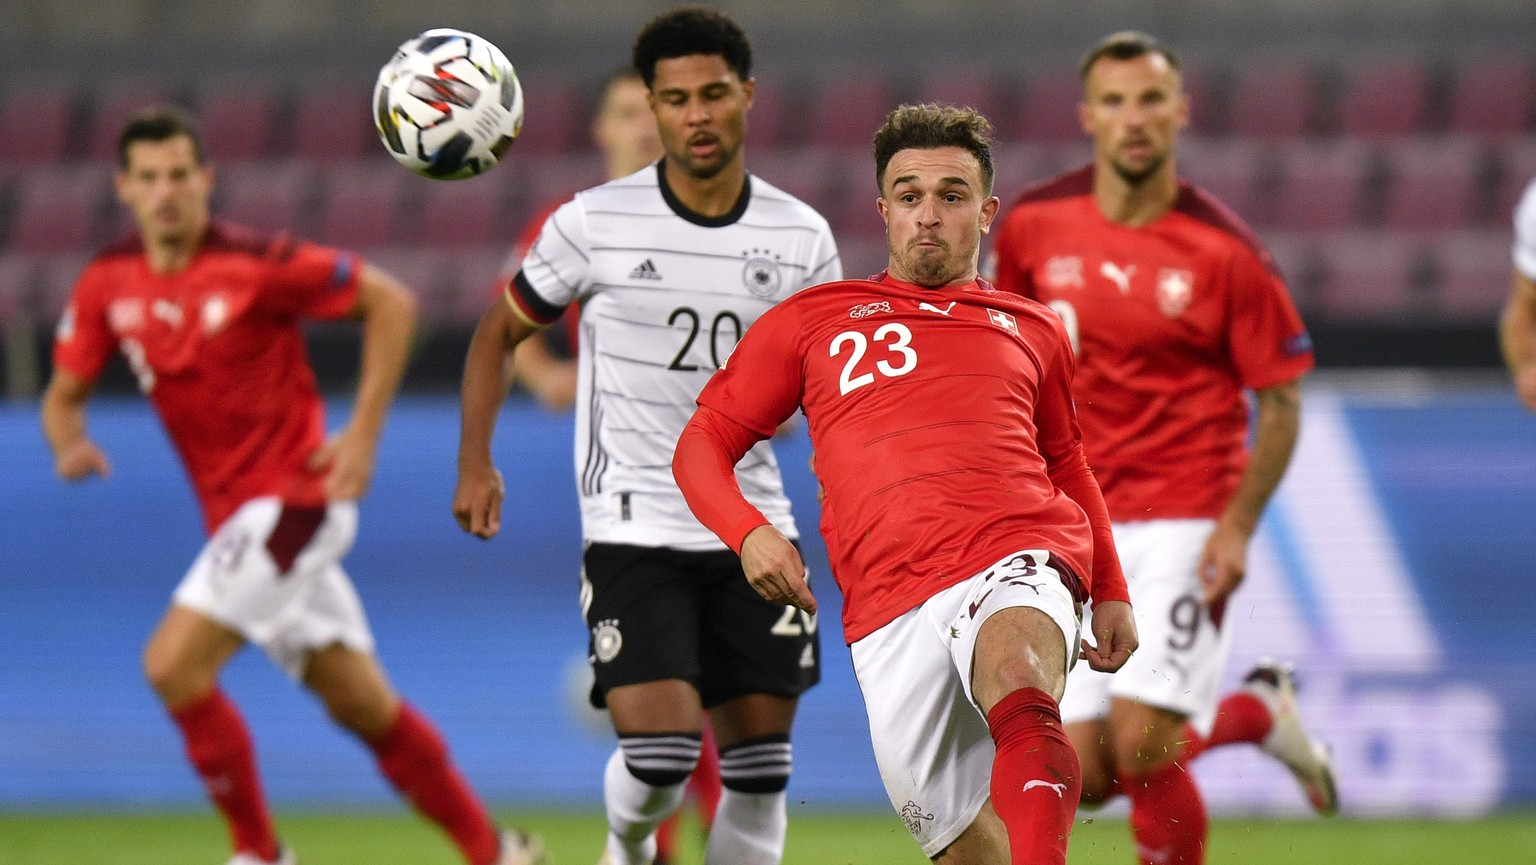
x=929, y=127
x=688, y=31
x=160, y=123
x=1126, y=45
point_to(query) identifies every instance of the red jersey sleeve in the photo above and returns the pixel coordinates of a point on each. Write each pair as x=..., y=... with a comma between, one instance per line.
x=1267, y=341
x=83, y=342
x=704, y=467
x=306, y=280
x=759, y=387
x=1061, y=443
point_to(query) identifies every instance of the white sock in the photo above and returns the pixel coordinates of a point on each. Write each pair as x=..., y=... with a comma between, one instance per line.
x=635, y=809
x=748, y=829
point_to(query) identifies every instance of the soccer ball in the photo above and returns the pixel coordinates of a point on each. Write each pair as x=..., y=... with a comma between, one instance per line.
x=448, y=104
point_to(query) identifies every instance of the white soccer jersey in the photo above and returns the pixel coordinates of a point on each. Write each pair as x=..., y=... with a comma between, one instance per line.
x=665, y=295
x=1525, y=232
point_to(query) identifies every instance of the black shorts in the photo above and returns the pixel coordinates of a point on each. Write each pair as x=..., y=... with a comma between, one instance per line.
x=657, y=613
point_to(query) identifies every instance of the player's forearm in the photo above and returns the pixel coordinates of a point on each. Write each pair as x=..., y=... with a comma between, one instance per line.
x=704, y=466
x=388, y=325
x=62, y=413
x=484, y=386
x=1074, y=478
x=1276, y=427
x=1517, y=326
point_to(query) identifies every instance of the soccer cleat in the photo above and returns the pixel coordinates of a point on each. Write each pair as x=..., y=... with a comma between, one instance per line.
x=1309, y=760
x=285, y=856
x=521, y=848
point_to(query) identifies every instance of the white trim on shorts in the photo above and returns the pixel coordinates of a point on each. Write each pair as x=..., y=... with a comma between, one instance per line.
x=1181, y=655
x=235, y=582
x=931, y=740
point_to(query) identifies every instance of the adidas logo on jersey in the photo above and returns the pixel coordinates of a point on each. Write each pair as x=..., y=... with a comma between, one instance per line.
x=646, y=270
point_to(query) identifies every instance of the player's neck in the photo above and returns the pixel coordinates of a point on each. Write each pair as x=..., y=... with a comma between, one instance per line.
x=171, y=255
x=707, y=196
x=1134, y=204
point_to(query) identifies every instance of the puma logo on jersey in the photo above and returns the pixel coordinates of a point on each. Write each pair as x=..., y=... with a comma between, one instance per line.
x=931, y=308
x=1121, y=278
x=168, y=312
x=645, y=270
x=1061, y=789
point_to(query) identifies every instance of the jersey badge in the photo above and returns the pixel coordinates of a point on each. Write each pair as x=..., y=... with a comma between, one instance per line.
x=761, y=274
x=1004, y=321
x=865, y=310
x=125, y=315
x=168, y=312
x=1175, y=289
x=645, y=270
x=607, y=640
x=215, y=314
x=912, y=815
x=925, y=305
x=1121, y=277
x=1064, y=271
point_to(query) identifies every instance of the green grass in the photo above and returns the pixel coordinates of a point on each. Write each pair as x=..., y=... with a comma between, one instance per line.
x=352, y=838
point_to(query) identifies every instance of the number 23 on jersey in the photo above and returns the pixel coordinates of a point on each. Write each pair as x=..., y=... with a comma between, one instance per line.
x=890, y=353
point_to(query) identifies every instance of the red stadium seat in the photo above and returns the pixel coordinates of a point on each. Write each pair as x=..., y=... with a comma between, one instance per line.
x=332, y=119
x=59, y=208
x=1517, y=168
x=1493, y=96
x=1367, y=276
x=1018, y=165
x=1474, y=273
x=555, y=117
x=1384, y=98
x=1432, y=183
x=811, y=174
x=472, y=212
x=360, y=203
x=239, y=119
x=1273, y=99
x=265, y=196
x=56, y=276
x=969, y=88
x=18, y=278
x=472, y=278
x=775, y=115
x=1048, y=112
x=1320, y=184
x=423, y=270
x=1207, y=111
x=847, y=107
x=1229, y=169
x=1294, y=256
x=115, y=102
x=38, y=116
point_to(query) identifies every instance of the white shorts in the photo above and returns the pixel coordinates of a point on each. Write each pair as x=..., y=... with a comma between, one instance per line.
x=273, y=575
x=930, y=738
x=1182, y=653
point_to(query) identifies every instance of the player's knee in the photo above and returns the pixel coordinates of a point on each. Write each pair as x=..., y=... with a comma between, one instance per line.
x=176, y=683
x=760, y=765
x=661, y=759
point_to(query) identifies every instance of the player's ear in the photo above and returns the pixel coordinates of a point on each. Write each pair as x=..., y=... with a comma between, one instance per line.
x=749, y=87
x=989, y=210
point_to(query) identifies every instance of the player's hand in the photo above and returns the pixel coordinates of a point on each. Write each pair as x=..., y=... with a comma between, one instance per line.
x=773, y=567
x=1114, y=628
x=347, y=458
x=477, y=501
x=82, y=460
x=1223, y=563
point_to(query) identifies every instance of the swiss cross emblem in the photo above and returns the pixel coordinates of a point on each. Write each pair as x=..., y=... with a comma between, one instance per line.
x=1004, y=321
x=1064, y=271
x=1175, y=289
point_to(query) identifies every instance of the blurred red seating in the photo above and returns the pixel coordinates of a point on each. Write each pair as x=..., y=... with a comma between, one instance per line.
x=1474, y=273
x=1384, y=98
x=470, y=212
x=59, y=208
x=55, y=282
x=1516, y=169
x=116, y=101
x=846, y=108
x=1366, y=275
x=1047, y=108
x=239, y=119
x=555, y=116
x=1321, y=184
x=38, y=116
x=1273, y=99
x=966, y=88
x=1228, y=168
x=1493, y=96
x=266, y=196
x=1432, y=183
x=360, y=203
x=332, y=119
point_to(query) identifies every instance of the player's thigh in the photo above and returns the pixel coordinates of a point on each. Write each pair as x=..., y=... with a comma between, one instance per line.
x=642, y=610
x=931, y=743
x=748, y=645
x=184, y=655
x=1017, y=627
x=1183, y=648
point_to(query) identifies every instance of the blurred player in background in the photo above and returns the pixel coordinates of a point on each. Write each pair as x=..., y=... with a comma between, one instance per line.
x=207, y=316
x=1517, y=327
x=624, y=131
x=964, y=526
x=671, y=265
x=1175, y=309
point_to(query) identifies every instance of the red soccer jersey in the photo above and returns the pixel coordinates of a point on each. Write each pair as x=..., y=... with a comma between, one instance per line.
x=943, y=431
x=218, y=349
x=1171, y=321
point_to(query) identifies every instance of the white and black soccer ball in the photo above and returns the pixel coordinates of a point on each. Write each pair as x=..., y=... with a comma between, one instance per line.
x=448, y=104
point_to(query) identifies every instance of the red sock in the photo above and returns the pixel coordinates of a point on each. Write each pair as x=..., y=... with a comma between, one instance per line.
x=1035, y=778
x=704, y=783
x=1168, y=816
x=414, y=757
x=1241, y=718
x=219, y=746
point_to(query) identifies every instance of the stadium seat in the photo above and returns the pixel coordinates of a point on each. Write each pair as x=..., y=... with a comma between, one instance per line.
x=56, y=276
x=971, y=88
x=810, y=174
x=115, y=101
x=1473, y=270
x=471, y=212
x=422, y=270
x=268, y=196
x=1320, y=184
x=1228, y=168
x=1432, y=183
x=472, y=276
x=360, y=203
x=1367, y=276
x=1493, y=96
x=332, y=119
x=1384, y=98
x=1019, y=165
x=38, y=116
x=1047, y=111
x=775, y=107
x=1207, y=108
x=239, y=119
x=1293, y=254
x=1272, y=99
x=59, y=208
x=847, y=107
x=1516, y=169
x=555, y=116
x=18, y=276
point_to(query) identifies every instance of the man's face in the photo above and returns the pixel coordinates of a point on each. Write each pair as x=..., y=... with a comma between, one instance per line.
x=625, y=129
x=701, y=111
x=166, y=189
x=936, y=208
x=1134, y=110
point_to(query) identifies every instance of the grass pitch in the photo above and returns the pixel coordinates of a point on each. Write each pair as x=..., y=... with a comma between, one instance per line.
x=353, y=838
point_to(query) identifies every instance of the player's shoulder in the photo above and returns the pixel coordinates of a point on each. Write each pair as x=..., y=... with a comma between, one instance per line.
x=232, y=239
x=1206, y=210
x=636, y=192
x=1063, y=187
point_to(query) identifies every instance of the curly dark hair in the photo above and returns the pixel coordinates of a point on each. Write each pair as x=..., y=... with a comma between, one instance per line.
x=688, y=31
x=160, y=123
x=929, y=127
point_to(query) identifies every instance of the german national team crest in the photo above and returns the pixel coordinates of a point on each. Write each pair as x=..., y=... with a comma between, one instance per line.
x=1064, y=271
x=761, y=275
x=1175, y=289
x=607, y=640
x=1004, y=321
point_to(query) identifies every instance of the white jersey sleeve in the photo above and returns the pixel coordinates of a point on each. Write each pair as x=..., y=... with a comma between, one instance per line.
x=1525, y=232
x=555, y=270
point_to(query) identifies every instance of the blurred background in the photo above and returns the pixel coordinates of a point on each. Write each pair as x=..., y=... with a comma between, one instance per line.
x=1378, y=150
